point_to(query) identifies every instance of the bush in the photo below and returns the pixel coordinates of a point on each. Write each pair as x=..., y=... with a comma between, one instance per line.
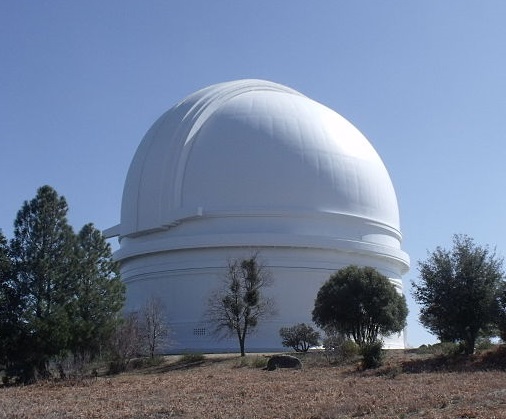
x=116, y=367
x=192, y=357
x=125, y=343
x=349, y=349
x=338, y=348
x=423, y=349
x=484, y=344
x=299, y=337
x=251, y=362
x=146, y=362
x=372, y=355
x=74, y=366
x=258, y=362
x=452, y=349
x=242, y=362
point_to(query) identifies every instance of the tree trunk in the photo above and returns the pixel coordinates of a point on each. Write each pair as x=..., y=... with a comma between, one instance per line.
x=42, y=370
x=242, y=337
x=470, y=344
x=241, y=345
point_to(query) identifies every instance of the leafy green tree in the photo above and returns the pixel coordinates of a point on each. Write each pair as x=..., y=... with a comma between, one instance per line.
x=501, y=315
x=99, y=297
x=43, y=258
x=300, y=337
x=360, y=303
x=240, y=305
x=458, y=291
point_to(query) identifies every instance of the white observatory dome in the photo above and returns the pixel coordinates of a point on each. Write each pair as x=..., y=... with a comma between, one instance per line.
x=249, y=166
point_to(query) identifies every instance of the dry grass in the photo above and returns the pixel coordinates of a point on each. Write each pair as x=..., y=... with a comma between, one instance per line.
x=220, y=388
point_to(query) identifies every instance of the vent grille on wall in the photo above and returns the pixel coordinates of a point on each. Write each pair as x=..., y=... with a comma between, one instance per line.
x=199, y=331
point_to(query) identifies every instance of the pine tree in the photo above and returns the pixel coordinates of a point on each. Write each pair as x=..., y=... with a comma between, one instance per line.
x=43, y=252
x=9, y=304
x=100, y=294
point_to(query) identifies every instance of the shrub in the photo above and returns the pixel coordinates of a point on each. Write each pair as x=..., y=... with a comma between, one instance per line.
x=338, y=348
x=192, y=357
x=452, y=349
x=349, y=349
x=423, y=349
x=258, y=362
x=251, y=362
x=299, y=337
x=147, y=362
x=242, y=362
x=115, y=367
x=71, y=366
x=125, y=343
x=372, y=354
x=441, y=348
x=484, y=344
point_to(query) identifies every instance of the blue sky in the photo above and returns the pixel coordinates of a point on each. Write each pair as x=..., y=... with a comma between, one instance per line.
x=82, y=81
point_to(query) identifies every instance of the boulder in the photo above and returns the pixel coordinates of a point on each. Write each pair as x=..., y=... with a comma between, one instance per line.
x=283, y=361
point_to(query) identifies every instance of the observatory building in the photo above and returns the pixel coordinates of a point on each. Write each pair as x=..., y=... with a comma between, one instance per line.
x=252, y=166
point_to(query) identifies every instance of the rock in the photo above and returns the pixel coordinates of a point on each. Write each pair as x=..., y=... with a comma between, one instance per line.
x=283, y=361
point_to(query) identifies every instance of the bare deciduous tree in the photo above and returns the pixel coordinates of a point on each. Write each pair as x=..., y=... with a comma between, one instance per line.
x=154, y=325
x=125, y=342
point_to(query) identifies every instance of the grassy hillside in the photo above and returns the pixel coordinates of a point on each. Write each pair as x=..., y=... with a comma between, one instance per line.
x=410, y=384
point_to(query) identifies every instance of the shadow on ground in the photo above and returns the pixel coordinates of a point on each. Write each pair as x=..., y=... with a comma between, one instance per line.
x=182, y=364
x=493, y=360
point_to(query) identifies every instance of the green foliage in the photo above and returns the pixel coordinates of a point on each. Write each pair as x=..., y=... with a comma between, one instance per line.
x=484, y=344
x=458, y=292
x=5, y=262
x=100, y=294
x=59, y=292
x=258, y=362
x=43, y=257
x=237, y=308
x=299, y=337
x=147, y=362
x=446, y=349
x=338, y=348
x=242, y=362
x=372, y=354
x=192, y=357
x=10, y=302
x=360, y=303
x=116, y=367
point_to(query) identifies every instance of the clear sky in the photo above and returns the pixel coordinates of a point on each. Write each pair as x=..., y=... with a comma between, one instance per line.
x=425, y=81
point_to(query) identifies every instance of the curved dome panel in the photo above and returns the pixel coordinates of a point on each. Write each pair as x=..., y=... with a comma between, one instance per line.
x=254, y=147
x=252, y=166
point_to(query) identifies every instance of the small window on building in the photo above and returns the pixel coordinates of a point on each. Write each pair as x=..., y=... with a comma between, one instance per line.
x=199, y=331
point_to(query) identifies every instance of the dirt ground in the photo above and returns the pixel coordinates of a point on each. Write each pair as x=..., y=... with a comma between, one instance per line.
x=407, y=386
